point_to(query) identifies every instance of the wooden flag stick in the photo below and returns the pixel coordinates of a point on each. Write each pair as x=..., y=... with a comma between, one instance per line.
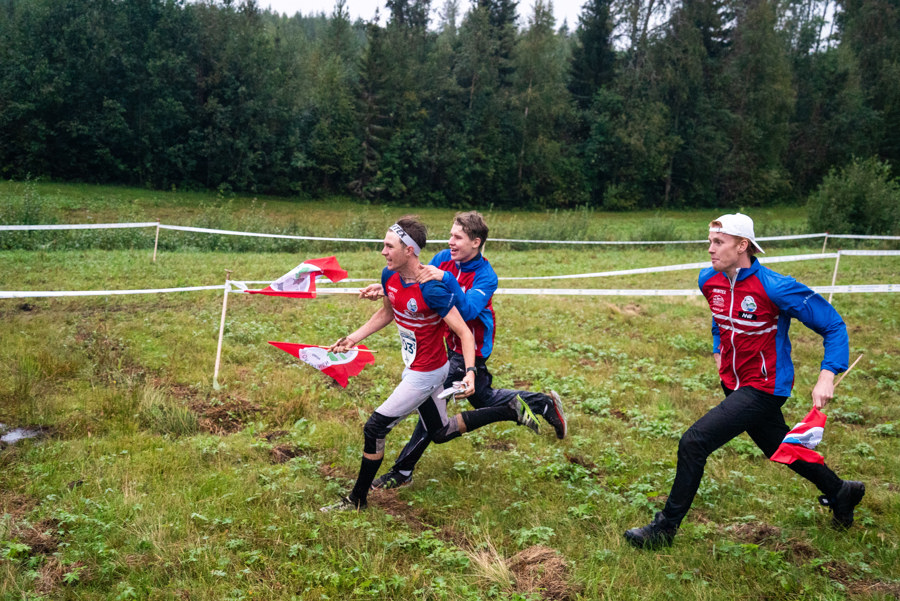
x=847, y=372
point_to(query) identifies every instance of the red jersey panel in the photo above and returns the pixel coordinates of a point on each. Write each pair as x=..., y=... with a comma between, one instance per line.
x=748, y=326
x=421, y=328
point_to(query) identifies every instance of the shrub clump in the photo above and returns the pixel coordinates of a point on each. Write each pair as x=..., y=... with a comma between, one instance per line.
x=861, y=199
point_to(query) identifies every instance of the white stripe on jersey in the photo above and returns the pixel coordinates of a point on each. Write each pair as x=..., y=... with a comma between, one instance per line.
x=416, y=322
x=725, y=326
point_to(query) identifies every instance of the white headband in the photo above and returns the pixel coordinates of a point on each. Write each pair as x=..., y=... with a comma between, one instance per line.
x=405, y=238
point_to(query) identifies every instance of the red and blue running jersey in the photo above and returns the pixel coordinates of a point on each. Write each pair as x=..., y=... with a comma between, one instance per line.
x=751, y=319
x=473, y=283
x=418, y=312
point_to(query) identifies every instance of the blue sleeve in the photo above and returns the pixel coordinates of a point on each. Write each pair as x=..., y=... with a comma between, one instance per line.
x=385, y=276
x=438, y=297
x=439, y=258
x=717, y=341
x=817, y=314
x=475, y=299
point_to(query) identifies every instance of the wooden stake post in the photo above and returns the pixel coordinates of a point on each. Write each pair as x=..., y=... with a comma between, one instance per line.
x=222, y=329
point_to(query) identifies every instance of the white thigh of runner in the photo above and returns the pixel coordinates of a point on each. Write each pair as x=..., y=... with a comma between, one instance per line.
x=415, y=388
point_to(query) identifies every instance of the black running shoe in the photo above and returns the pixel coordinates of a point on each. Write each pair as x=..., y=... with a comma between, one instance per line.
x=656, y=534
x=555, y=416
x=844, y=502
x=345, y=504
x=392, y=479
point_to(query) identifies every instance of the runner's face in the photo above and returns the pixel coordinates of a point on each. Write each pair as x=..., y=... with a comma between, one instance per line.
x=394, y=252
x=462, y=248
x=724, y=251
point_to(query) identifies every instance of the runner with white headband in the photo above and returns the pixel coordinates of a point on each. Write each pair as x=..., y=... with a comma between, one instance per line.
x=406, y=238
x=420, y=312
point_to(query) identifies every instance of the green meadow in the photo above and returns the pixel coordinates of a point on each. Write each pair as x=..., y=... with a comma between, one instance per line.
x=148, y=482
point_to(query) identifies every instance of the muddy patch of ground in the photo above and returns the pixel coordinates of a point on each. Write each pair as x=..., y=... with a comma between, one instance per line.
x=284, y=452
x=224, y=416
x=542, y=571
x=772, y=537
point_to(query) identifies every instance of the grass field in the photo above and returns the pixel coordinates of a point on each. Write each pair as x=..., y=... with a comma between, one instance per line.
x=148, y=483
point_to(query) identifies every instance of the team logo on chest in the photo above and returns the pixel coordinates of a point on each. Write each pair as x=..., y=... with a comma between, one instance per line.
x=748, y=304
x=412, y=306
x=718, y=301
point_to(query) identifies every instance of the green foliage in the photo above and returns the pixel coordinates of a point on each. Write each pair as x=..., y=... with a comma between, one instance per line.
x=861, y=198
x=696, y=103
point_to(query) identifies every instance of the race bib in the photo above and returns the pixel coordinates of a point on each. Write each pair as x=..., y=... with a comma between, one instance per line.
x=407, y=345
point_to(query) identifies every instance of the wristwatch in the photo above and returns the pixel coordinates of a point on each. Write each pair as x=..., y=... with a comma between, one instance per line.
x=473, y=369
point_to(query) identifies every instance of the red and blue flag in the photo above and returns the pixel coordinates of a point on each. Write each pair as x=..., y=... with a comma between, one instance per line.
x=802, y=439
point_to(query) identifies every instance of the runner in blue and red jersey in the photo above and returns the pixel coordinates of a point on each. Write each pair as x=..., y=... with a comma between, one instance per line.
x=752, y=307
x=463, y=269
x=421, y=312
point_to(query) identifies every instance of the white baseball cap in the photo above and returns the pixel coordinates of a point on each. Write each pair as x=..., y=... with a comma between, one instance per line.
x=737, y=224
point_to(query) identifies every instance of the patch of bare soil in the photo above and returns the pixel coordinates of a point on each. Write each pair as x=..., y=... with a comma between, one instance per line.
x=41, y=537
x=619, y=414
x=273, y=435
x=15, y=504
x=759, y=533
x=224, y=416
x=755, y=532
x=284, y=452
x=52, y=575
x=541, y=570
x=387, y=501
x=331, y=471
x=868, y=588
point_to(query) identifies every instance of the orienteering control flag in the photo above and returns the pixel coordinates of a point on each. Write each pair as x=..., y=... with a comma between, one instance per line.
x=300, y=282
x=340, y=366
x=802, y=439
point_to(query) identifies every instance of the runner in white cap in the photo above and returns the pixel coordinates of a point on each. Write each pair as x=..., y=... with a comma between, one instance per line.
x=752, y=307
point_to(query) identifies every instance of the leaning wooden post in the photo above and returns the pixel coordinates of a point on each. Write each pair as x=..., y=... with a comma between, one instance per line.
x=824, y=244
x=834, y=276
x=156, y=242
x=222, y=328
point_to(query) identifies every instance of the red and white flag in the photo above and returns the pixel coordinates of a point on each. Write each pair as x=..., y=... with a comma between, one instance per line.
x=300, y=282
x=340, y=366
x=802, y=439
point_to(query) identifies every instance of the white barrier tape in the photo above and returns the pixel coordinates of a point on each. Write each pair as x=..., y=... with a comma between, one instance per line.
x=76, y=226
x=705, y=241
x=857, y=288
x=680, y=267
x=863, y=288
x=204, y=230
x=871, y=253
x=856, y=237
x=37, y=294
x=852, y=289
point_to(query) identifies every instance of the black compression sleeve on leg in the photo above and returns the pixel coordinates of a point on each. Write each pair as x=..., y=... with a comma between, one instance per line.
x=367, y=472
x=488, y=415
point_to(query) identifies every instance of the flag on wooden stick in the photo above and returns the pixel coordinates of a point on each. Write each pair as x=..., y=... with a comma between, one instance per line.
x=300, y=282
x=340, y=366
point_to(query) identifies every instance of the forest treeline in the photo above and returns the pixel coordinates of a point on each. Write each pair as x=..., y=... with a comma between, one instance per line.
x=641, y=103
